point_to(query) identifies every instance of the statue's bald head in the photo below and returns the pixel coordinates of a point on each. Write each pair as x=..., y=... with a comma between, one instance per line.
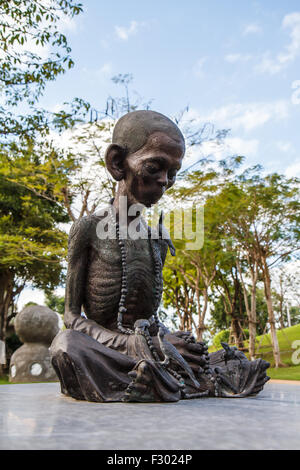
x=132, y=130
x=145, y=155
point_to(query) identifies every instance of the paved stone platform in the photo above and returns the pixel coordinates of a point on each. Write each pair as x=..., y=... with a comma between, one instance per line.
x=37, y=416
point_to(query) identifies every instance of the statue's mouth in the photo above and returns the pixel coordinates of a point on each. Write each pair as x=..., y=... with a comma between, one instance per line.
x=155, y=196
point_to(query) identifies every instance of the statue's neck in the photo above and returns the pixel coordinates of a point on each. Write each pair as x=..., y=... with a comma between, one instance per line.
x=125, y=205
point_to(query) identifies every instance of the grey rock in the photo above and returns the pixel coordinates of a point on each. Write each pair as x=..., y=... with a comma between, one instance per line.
x=36, y=326
x=36, y=323
x=32, y=363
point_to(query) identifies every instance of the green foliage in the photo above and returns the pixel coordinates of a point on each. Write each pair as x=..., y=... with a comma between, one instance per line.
x=295, y=315
x=31, y=243
x=251, y=223
x=34, y=52
x=224, y=336
x=12, y=344
x=220, y=320
x=55, y=302
x=33, y=174
x=221, y=337
x=27, y=24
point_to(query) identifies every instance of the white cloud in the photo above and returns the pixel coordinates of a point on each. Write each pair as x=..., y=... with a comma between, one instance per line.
x=124, y=33
x=293, y=170
x=67, y=24
x=247, y=116
x=219, y=151
x=273, y=65
x=251, y=28
x=240, y=146
x=231, y=145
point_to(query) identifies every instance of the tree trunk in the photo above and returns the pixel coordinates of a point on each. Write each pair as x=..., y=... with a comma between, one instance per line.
x=237, y=332
x=251, y=311
x=6, y=297
x=281, y=314
x=201, y=316
x=252, y=322
x=268, y=295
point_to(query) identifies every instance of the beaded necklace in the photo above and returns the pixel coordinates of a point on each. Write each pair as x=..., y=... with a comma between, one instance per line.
x=124, y=287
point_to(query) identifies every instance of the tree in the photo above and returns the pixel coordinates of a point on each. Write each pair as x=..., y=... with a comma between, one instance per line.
x=179, y=296
x=286, y=288
x=264, y=223
x=220, y=321
x=33, y=52
x=33, y=173
x=244, y=262
x=229, y=287
x=252, y=268
x=32, y=246
x=199, y=268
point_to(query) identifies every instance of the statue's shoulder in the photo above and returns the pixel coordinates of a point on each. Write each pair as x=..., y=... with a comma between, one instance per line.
x=82, y=229
x=84, y=225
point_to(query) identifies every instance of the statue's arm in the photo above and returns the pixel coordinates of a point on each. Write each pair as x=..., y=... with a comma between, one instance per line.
x=78, y=251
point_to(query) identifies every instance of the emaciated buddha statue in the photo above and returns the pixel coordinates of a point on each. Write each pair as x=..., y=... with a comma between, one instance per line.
x=115, y=348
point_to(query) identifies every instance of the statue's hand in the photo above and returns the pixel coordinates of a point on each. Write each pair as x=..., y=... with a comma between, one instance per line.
x=190, y=339
x=192, y=352
x=186, y=335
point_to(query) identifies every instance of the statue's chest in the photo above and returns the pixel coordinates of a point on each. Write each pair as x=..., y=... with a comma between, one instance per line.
x=107, y=254
x=104, y=278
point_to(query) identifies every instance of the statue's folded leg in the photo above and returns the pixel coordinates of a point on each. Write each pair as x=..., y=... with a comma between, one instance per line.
x=87, y=370
x=90, y=371
x=152, y=383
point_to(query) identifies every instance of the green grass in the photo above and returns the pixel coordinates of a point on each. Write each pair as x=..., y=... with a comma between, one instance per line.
x=286, y=337
x=4, y=380
x=286, y=373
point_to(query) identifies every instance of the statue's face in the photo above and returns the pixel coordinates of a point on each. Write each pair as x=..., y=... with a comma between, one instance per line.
x=152, y=170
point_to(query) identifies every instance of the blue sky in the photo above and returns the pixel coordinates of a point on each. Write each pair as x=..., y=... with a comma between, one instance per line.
x=234, y=63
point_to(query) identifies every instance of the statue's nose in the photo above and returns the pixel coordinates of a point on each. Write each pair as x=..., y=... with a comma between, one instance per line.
x=162, y=179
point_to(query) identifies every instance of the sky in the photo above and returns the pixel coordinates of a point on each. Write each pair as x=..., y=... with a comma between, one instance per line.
x=235, y=64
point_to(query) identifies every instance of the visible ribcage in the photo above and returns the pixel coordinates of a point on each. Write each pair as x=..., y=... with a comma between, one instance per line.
x=103, y=285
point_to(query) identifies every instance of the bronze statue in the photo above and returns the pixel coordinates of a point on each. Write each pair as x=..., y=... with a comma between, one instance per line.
x=117, y=349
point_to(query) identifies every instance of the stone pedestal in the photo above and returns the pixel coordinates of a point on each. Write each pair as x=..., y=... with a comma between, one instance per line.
x=36, y=327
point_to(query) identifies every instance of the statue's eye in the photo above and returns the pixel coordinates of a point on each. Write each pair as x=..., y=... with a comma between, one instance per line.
x=152, y=168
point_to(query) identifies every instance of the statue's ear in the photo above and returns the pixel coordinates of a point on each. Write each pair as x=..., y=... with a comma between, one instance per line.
x=114, y=160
